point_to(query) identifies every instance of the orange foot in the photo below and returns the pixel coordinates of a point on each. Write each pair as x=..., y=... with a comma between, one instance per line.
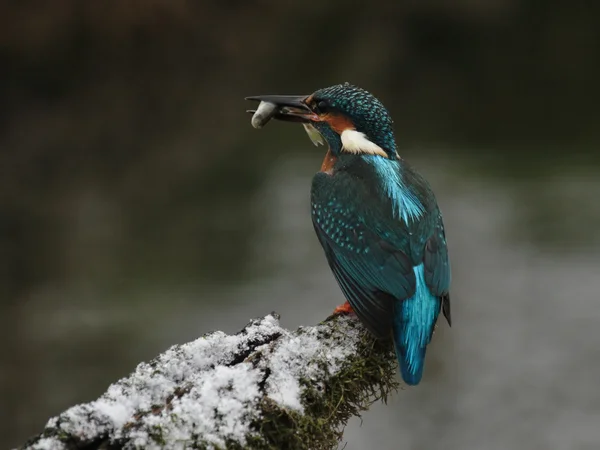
x=343, y=309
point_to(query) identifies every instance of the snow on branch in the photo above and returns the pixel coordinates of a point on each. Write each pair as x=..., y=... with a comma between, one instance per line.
x=263, y=388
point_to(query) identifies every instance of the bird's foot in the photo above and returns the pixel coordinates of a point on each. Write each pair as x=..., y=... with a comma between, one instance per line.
x=343, y=309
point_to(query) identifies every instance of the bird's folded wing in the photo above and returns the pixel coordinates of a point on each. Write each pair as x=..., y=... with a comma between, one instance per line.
x=370, y=271
x=437, y=267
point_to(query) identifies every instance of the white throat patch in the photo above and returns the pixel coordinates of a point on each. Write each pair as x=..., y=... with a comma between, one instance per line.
x=357, y=143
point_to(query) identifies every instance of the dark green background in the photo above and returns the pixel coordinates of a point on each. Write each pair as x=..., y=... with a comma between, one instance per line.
x=139, y=209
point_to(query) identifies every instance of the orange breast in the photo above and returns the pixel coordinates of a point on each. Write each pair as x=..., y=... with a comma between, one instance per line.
x=328, y=163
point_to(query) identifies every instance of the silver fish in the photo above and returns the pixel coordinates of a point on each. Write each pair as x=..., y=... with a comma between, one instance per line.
x=263, y=114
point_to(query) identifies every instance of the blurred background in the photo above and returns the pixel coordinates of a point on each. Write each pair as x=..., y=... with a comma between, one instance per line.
x=139, y=209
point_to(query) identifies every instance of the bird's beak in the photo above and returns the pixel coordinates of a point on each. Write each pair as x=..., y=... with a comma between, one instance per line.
x=290, y=108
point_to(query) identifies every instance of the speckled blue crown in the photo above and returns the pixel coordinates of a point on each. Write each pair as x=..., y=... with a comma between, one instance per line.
x=367, y=113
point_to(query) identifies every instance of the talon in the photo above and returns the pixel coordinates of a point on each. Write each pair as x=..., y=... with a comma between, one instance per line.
x=346, y=308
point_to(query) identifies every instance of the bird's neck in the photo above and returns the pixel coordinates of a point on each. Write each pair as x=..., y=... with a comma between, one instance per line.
x=362, y=165
x=401, y=186
x=352, y=141
x=329, y=162
x=392, y=180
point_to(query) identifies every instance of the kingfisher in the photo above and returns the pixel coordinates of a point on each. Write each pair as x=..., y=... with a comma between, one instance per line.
x=376, y=218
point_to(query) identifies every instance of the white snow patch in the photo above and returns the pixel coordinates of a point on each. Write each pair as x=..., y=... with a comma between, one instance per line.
x=222, y=404
x=218, y=403
x=52, y=422
x=301, y=356
x=48, y=444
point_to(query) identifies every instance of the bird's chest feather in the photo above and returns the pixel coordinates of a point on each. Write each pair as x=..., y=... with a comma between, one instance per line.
x=328, y=163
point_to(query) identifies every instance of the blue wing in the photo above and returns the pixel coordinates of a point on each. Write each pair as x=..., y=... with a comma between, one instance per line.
x=367, y=273
x=437, y=267
x=372, y=255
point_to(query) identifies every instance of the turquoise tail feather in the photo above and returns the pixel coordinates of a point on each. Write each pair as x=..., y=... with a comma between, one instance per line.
x=414, y=319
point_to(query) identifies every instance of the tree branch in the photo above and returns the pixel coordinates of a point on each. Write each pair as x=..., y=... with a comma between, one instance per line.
x=263, y=388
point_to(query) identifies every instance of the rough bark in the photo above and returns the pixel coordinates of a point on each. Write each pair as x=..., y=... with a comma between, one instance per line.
x=263, y=388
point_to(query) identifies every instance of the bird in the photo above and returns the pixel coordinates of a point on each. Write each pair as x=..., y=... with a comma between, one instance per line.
x=376, y=218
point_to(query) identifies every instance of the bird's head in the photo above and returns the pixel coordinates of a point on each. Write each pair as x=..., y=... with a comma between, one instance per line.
x=349, y=118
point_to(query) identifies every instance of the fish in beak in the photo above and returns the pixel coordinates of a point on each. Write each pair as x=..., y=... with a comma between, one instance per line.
x=288, y=108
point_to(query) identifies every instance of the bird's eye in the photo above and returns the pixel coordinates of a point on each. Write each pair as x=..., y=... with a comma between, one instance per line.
x=322, y=105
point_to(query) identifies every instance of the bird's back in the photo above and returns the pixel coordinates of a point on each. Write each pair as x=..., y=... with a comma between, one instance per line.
x=380, y=227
